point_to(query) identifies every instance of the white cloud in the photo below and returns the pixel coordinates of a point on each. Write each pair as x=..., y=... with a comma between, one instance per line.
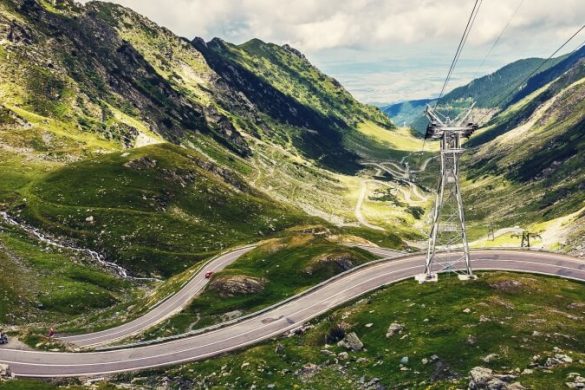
x=414, y=29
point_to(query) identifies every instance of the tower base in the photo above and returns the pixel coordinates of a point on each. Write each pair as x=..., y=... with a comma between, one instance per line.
x=426, y=278
x=467, y=277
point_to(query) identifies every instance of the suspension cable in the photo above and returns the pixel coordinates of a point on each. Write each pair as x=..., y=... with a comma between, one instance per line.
x=462, y=42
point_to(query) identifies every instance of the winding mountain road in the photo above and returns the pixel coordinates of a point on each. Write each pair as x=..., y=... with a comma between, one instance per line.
x=288, y=316
x=163, y=310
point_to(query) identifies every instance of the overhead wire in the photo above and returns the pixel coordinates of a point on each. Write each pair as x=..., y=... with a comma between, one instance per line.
x=462, y=42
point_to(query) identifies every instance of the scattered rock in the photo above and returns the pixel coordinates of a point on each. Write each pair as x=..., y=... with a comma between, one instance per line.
x=484, y=378
x=557, y=360
x=141, y=163
x=343, y=356
x=490, y=358
x=576, y=381
x=351, y=341
x=404, y=360
x=507, y=285
x=374, y=384
x=231, y=315
x=394, y=328
x=467, y=310
x=471, y=340
x=279, y=349
x=308, y=371
x=4, y=371
x=369, y=325
x=442, y=371
x=479, y=377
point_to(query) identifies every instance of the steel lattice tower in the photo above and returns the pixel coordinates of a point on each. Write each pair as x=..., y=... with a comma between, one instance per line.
x=448, y=220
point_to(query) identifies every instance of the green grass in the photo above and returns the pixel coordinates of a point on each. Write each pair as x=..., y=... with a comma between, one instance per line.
x=154, y=219
x=511, y=182
x=44, y=284
x=27, y=384
x=435, y=324
x=288, y=265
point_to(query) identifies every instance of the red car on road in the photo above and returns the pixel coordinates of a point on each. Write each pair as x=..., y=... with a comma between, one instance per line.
x=208, y=274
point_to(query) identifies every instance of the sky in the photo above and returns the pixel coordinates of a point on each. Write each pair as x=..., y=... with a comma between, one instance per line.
x=383, y=51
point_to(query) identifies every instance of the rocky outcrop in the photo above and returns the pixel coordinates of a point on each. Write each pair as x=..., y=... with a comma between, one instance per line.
x=341, y=261
x=231, y=286
x=507, y=285
x=575, y=381
x=351, y=341
x=485, y=378
x=394, y=329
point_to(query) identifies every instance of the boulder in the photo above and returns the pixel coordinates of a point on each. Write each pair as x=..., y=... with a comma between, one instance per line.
x=308, y=371
x=394, y=328
x=4, y=371
x=231, y=286
x=484, y=378
x=340, y=261
x=479, y=377
x=490, y=358
x=351, y=341
x=575, y=381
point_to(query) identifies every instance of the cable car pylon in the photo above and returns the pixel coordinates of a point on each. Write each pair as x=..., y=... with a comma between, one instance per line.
x=448, y=234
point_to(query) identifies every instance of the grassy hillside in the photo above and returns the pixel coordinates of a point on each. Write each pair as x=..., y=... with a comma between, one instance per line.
x=158, y=152
x=155, y=210
x=533, y=158
x=44, y=284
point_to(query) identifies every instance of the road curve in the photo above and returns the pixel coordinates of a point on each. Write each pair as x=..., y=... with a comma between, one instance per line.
x=163, y=310
x=274, y=322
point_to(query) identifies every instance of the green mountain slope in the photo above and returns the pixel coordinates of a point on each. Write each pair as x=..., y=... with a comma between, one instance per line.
x=533, y=157
x=316, y=113
x=156, y=210
x=158, y=152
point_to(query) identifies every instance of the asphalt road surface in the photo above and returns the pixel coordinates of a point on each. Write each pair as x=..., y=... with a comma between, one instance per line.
x=275, y=322
x=162, y=311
